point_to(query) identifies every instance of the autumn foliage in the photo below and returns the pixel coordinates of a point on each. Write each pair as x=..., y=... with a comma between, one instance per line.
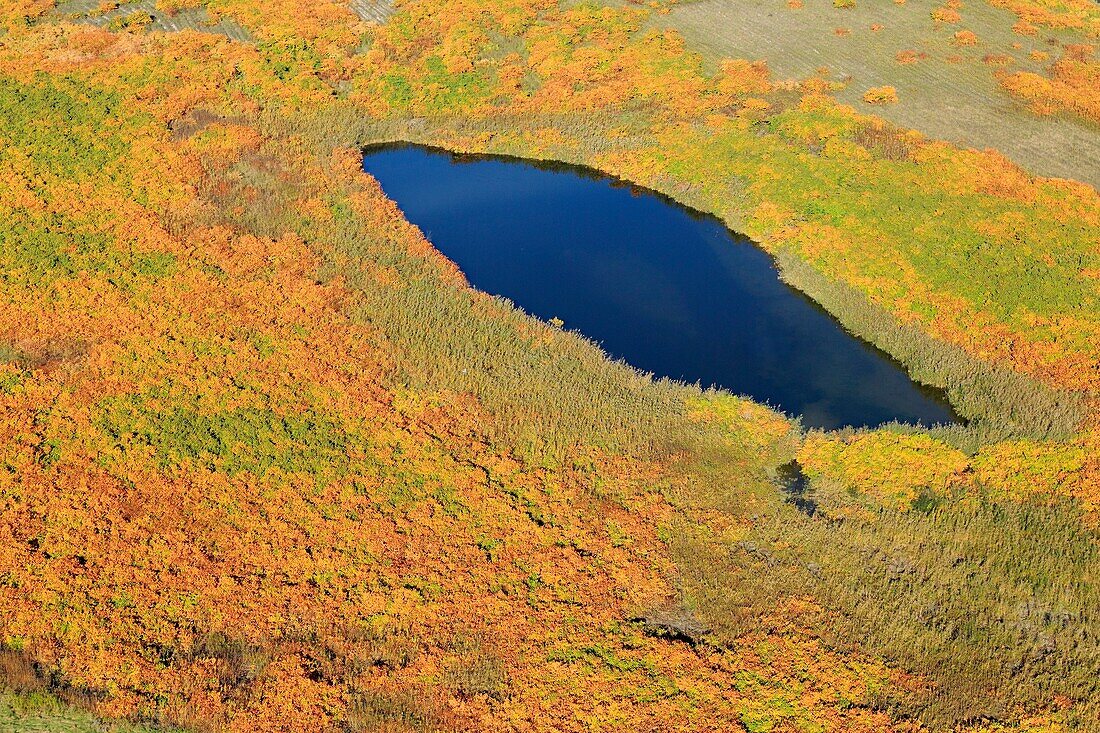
x=269, y=464
x=881, y=95
x=1073, y=86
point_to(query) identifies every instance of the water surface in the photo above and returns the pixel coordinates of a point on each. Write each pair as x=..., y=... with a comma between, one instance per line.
x=668, y=290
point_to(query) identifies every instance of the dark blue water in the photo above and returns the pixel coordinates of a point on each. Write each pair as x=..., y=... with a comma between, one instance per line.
x=668, y=290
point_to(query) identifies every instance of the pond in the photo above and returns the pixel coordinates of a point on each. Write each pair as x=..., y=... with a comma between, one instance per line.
x=668, y=290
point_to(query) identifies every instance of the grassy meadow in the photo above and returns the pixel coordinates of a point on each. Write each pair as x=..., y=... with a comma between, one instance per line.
x=269, y=464
x=946, y=73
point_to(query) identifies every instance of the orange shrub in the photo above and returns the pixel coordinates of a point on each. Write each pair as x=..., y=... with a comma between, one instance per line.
x=738, y=77
x=946, y=15
x=173, y=7
x=881, y=95
x=1078, y=14
x=1079, y=51
x=1073, y=86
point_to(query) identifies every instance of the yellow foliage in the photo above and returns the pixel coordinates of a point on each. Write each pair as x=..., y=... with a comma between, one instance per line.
x=890, y=469
x=965, y=38
x=394, y=513
x=881, y=95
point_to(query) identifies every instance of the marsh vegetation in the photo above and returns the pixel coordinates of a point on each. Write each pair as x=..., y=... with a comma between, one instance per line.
x=670, y=291
x=267, y=461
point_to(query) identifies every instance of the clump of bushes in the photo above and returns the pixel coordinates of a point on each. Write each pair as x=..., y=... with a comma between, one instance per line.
x=881, y=95
x=965, y=38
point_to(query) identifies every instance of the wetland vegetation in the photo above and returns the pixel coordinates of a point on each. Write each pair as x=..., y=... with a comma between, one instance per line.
x=269, y=463
x=669, y=291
